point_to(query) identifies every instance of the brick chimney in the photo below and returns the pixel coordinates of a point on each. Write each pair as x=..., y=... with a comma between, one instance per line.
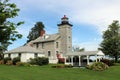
x=42, y=32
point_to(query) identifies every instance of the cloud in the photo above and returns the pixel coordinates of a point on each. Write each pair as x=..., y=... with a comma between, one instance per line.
x=100, y=13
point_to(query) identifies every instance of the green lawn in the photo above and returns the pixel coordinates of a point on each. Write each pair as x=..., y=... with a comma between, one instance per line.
x=48, y=73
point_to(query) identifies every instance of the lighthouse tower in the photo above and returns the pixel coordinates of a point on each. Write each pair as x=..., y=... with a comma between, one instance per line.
x=65, y=31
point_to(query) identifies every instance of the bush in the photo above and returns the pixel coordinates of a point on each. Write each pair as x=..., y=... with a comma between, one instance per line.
x=61, y=60
x=22, y=64
x=6, y=59
x=15, y=60
x=98, y=66
x=45, y=61
x=118, y=61
x=39, y=61
x=108, y=62
x=61, y=66
x=1, y=62
x=9, y=62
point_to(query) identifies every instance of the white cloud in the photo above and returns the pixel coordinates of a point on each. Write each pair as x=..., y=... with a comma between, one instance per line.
x=96, y=12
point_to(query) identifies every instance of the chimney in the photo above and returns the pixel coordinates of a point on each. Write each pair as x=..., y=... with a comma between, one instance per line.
x=42, y=32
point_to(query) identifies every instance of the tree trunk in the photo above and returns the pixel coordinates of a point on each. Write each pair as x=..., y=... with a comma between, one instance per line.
x=116, y=58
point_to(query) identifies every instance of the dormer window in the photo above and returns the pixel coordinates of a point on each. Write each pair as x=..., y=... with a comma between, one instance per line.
x=45, y=36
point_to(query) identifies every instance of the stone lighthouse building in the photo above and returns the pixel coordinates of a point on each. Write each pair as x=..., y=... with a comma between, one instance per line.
x=65, y=32
x=49, y=45
x=55, y=47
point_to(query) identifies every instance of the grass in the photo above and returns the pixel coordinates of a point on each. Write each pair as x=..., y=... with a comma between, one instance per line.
x=48, y=73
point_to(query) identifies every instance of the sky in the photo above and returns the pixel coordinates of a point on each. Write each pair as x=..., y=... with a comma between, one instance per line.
x=90, y=18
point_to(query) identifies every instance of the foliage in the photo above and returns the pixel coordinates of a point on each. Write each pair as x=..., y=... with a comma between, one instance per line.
x=22, y=64
x=118, y=61
x=61, y=66
x=15, y=60
x=9, y=62
x=7, y=59
x=8, y=31
x=35, y=31
x=108, y=62
x=98, y=66
x=39, y=61
x=78, y=49
x=1, y=62
x=61, y=60
x=111, y=41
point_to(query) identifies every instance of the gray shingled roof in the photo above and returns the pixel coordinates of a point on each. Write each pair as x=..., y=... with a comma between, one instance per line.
x=48, y=38
x=85, y=53
x=24, y=49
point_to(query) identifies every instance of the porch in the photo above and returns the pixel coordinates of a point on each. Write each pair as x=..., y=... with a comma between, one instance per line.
x=83, y=58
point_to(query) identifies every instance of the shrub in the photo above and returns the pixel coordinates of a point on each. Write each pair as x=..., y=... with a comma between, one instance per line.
x=61, y=60
x=61, y=66
x=108, y=62
x=45, y=61
x=118, y=61
x=39, y=61
x=98, y=66
x=1, y=61
x=15, y=60
x=9, y=62
x=6, y=59
x=22, y=64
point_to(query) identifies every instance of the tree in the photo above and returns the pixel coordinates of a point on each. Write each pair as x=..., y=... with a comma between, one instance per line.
x=35, y=31
x=111, y=41
x=8, y=31
x=78, y=49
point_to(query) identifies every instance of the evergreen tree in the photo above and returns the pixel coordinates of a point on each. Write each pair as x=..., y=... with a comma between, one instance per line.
x=35, y=31
x=8, y=31
x=111, y=41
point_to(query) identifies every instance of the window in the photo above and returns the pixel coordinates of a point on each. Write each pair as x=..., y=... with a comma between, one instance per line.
x=49, y=53
x=42, y=45
x=37, y=45
x=69, y=38
x=56, y=52
x=56, y=44
x=9, y=55
x=35, y=55
x=19, y=55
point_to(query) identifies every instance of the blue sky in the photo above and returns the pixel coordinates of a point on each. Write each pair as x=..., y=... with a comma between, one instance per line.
x=89, y=18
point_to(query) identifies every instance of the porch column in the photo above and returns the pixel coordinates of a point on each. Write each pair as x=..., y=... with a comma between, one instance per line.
x=96, y=57
x=99, y=59
x=79, y=60
x=88, y=60
x=72, y=60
